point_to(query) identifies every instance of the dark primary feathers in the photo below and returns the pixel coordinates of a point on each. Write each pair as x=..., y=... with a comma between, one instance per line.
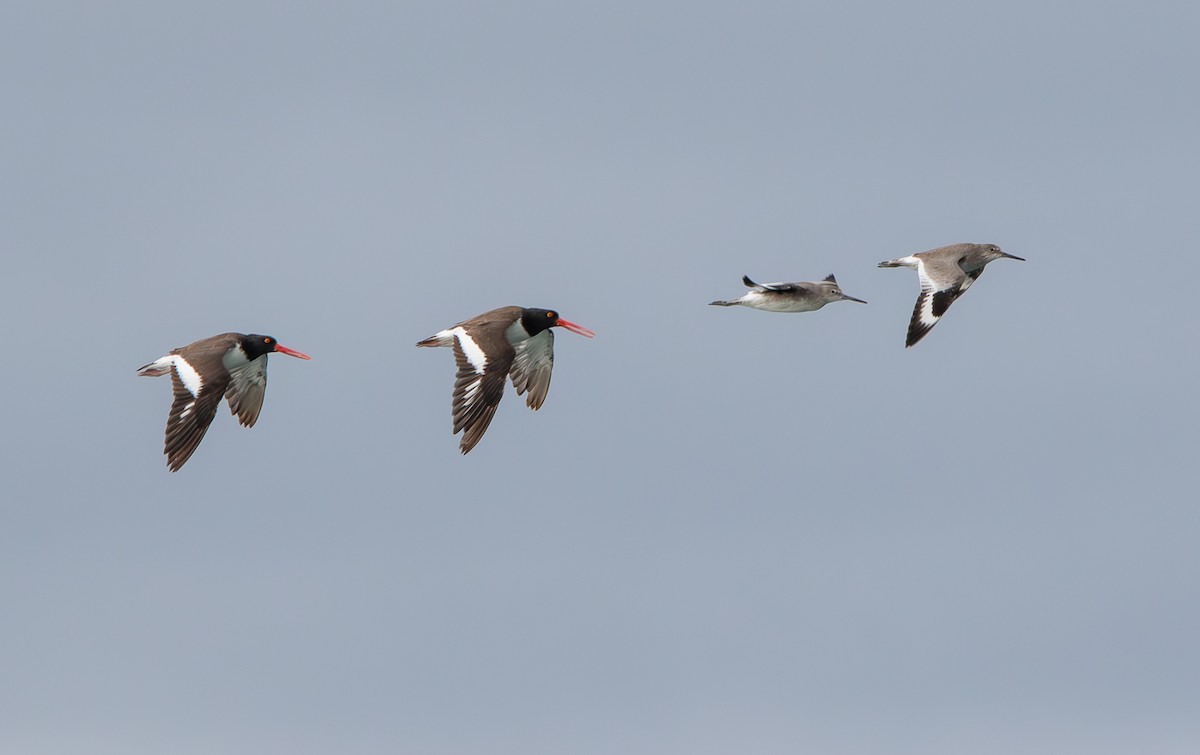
x=188, y=420
x=476, y=397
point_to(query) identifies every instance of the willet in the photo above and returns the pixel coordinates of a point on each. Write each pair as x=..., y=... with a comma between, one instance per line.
x=945, y=273
x=789, y=297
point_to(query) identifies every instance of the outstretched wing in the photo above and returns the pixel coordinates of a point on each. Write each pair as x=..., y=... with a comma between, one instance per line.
x=247, y=386
x=782, y=287
x=189, y=418
x=478, y=386
x=532, y=363
x=933, y=302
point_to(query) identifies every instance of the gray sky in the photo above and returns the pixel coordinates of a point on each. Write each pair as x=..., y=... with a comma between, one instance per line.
x=727, y=530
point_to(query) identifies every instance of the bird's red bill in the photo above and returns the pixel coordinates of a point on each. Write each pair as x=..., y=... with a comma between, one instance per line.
x=574, y=328
x=290, y=352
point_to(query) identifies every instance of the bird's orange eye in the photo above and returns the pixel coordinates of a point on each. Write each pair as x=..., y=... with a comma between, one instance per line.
x=549, y=314
x=266, y=340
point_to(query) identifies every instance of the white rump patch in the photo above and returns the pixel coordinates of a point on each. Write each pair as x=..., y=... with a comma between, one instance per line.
x=471, y=350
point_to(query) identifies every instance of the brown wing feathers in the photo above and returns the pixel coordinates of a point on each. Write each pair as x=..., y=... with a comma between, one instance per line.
x=476, y=396
x=188, y=420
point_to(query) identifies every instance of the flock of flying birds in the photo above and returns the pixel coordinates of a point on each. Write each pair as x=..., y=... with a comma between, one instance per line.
x=508, y=343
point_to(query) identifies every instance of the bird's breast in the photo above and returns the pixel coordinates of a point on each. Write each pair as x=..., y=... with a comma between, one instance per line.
x=235, y=358
x=779, y=302
x=516, y=333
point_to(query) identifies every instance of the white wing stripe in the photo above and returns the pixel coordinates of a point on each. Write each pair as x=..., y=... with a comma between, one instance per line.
x=927, y=283
x=927, y=317
x=471, y=390
x=471, y=350
x=187, y=375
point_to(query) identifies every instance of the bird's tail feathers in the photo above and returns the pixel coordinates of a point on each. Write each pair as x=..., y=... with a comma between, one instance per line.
x=157, y=368
x=441, y=338
x=436, y=341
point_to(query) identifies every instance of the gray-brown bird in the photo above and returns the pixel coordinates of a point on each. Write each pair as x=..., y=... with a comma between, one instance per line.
x=945, y=274
x=802, y=296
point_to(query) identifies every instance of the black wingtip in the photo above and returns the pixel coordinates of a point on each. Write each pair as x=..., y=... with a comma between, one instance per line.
x=748, y=282
x=915, y=334
x=917, y=330
x=830, y=279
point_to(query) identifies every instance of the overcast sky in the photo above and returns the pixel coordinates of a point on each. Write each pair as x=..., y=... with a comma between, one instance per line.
x=726, y=530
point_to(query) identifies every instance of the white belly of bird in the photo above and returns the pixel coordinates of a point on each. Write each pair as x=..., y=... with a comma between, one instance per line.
x=775, y=303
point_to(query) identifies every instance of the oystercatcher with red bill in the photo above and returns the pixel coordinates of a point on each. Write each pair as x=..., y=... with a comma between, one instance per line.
x=509, y=342
x=230, y=365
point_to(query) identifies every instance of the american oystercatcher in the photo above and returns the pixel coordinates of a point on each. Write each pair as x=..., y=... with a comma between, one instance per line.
x=230, y=365
x=511, y=342
x=945, y=274
x=789, y=297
